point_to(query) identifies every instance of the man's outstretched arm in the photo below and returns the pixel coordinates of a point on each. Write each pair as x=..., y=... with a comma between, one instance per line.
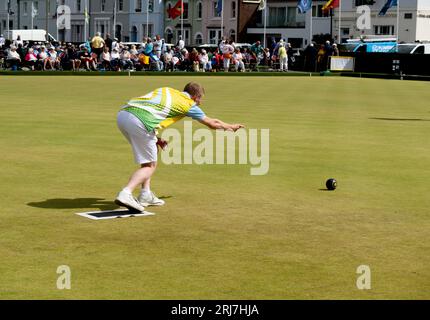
x=218, y=124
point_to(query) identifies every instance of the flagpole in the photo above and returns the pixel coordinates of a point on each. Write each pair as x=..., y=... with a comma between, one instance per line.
x=56, y=14
x=8, y=19
x=398, y=21
x=265, y=23
x=85, y=21
x=340, y=21
x=32, y=14
x=147, y=18
x=182, y=22
x=114, y=19
x=48, y=4
x=310, y=33
x=222, y=20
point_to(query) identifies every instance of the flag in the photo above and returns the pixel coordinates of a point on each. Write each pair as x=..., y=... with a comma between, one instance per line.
x=9, y=9
x=33, y=10
x=304, y=5
x=387, y=5
x=176, y=11
x=87, y=15
x=330, y=4
x=262, y=5
x=219, y=6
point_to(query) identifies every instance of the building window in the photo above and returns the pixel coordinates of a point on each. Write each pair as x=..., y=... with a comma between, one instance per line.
x=408, y=15
x=185, y=14
x=150, y=5
x=384, y=30
x=25, y=8
x=186, y=36
x=232, y=35
x=121, y=5
x=199, y=38
x=103, y=5
x=199, y=10
x=169, y=35
x=318, y=12
x=148, y=32
x=168, y=6
x=133, y=35
x=78, y=5
x=214, y=36
x=215, y=11
x=233, y=9
x=138, y=6
x=277, y=16
x=118, y=32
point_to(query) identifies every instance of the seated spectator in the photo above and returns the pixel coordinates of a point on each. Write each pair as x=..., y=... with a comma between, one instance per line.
x=154, y=60
x=87, y=60
x=185, y=63
x=106, y=59
x=22, y=51
x=134, y=55
x=42, y=58
x=115, y=44
x=205, y=62
x=3, y=56
x=31, y=59
x=126, y=62
x=217, y=60
x=178, y=59
x=238, y=60
x=168, y=60
x=13, y=58
x=115, y=60
x=194, y=60
x=53, y=61
x=74, y=57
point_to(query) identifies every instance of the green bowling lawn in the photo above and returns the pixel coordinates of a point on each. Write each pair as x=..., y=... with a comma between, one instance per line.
x=223, y=233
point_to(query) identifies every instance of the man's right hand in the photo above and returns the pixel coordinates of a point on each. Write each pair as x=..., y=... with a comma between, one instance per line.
x=236, y=127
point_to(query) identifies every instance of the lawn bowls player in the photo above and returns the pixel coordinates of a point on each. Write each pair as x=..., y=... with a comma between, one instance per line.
x=140, y=120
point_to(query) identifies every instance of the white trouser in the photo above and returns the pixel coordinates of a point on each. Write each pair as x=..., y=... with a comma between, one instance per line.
x=283, y=63
x=239, y=65
x=226, y=64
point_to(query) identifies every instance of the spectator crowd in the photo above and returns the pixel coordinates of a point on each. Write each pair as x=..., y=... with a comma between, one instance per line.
x=153, y=54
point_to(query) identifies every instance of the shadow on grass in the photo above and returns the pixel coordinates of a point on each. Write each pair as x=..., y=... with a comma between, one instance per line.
x=399, y=119
x=78, y=203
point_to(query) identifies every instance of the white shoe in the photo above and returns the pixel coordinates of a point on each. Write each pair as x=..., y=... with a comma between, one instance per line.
x=125, y=199
x=149, y=199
